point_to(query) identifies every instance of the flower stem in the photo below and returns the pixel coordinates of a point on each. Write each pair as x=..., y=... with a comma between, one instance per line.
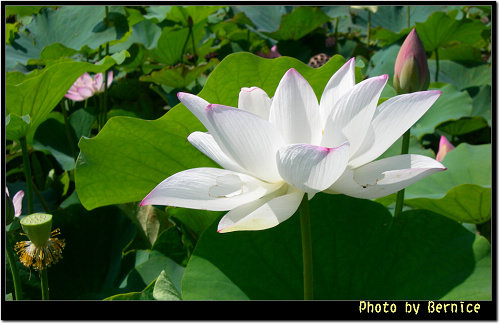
x=67, y=128
x=27, y=173
x=192, y=40
x=105, y=94
x=13, y=268
x=305, y=227
x=44, y=280
x=99, y=115
x=400, y=198
x=185, y=43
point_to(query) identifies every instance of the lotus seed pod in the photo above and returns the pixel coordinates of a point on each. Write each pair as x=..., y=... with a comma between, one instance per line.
x=37, y=227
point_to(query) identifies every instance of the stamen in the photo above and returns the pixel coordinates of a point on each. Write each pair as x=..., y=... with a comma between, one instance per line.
x=41, y=257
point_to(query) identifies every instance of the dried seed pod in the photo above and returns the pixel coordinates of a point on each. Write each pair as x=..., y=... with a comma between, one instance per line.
x=318, y=60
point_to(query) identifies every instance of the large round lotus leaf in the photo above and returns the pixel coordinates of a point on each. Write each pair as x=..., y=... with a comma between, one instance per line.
x=463, y=191
x=359, y=253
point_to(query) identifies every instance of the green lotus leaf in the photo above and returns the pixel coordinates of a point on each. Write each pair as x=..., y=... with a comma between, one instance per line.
x=181, y=14
x=146, y=272
x=37, y=94
x=16, y=126
x=481, y=104
x=300, y=22
x=463, y=191
x=146, y=294
x=359, y=253
x=164, y=289
x=22, y=10
x=461, y=76
x=265, y=18
x=441, y=28
x=451, y=105
x=466, y=203
x=74, y=27
x=179, y=76
x=173, y=40
x=463, y=126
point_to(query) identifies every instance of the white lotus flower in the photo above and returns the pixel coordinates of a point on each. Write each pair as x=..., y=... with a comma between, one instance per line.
x=274, y=150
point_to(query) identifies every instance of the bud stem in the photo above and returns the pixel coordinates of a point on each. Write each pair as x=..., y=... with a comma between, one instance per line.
x=104, y=110
x=401, y=194
x=64, y=105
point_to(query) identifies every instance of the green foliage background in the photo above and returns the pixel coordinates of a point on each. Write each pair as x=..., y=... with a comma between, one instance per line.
x=91, y=168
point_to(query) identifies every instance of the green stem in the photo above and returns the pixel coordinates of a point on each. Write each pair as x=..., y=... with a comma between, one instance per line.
x=105, y=96
x=95, y=104
x=68, y=130
x=44, y=281
x=106, y=15
x=400, y=198
x=305, y=227
x=437, y=65
x=99, y=115
x=185, y=43
x=192, y=40
x=27, y=173
x=13, y=268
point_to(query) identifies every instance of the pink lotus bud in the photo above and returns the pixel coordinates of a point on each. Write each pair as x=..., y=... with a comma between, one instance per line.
x=13, y=206
x=273, y=53
x=444, y=147
x=411, y=73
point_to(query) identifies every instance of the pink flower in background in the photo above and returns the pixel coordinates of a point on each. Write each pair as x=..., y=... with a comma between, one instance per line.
x=444, y=147
x=273, y=53
x=85, y=87
x=17, y=201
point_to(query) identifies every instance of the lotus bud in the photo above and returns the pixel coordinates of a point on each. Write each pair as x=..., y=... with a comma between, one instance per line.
x=13, y=206
x=9, y=210
x=411, y=73
x=444, y=147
